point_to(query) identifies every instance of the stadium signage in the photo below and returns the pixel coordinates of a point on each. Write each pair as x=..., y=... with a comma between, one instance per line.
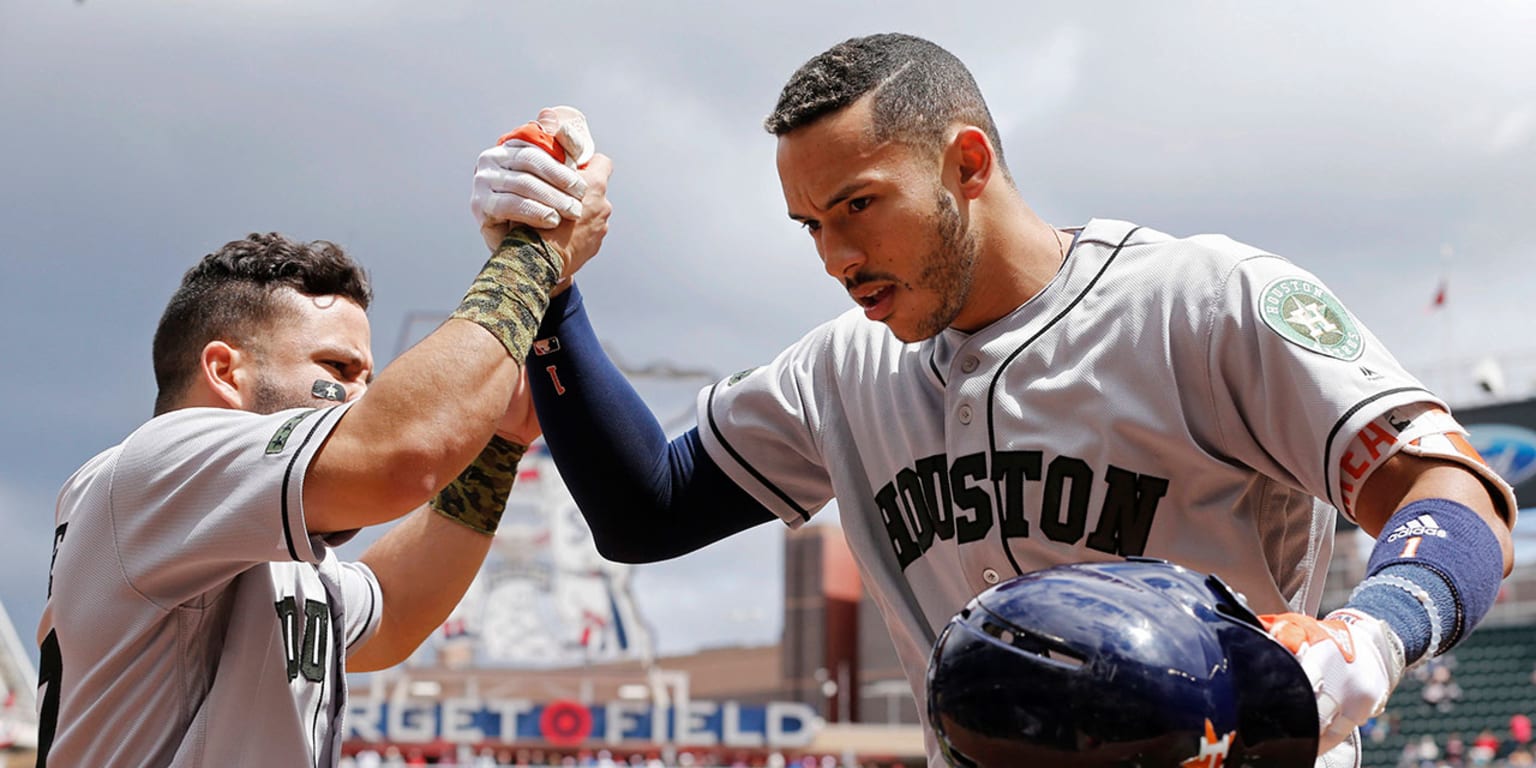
x=1505, y=434
x=569, y=723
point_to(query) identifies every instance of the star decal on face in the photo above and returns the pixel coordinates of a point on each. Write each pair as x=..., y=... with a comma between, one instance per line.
x=328, y=390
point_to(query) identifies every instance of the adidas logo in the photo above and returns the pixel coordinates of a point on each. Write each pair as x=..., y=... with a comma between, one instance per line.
x=1423, y=525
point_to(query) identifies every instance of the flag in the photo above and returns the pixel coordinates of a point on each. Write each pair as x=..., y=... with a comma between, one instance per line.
x=1439, y=300
x=455, y=627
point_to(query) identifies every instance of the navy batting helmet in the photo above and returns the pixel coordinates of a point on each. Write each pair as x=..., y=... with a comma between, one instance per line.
x=1135, y=663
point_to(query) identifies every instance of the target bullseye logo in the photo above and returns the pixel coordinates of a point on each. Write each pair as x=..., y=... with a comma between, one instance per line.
x=565, y=723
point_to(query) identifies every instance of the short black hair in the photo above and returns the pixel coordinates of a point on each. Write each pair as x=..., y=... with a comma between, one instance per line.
x=919, y=90
x=231, y=295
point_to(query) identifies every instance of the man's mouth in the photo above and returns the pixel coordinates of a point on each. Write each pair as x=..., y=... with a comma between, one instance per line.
x=875, y=299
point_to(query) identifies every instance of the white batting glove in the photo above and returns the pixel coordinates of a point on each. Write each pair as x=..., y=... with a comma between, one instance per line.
x=1353, y=660
x=1345, y=755
x=523, y=182
x=569, y=127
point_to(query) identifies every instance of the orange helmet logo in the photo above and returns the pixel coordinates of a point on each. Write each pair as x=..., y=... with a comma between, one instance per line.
x=1213, y=751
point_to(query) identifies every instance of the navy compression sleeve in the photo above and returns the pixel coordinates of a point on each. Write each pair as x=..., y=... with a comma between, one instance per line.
x=645, y=499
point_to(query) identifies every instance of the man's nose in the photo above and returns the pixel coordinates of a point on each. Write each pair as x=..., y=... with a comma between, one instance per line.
x=840, y=256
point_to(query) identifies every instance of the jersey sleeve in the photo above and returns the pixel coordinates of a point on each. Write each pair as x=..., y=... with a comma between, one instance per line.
x=762, y=427
x=1294, y=376
x=363, y=602
x=199, y=495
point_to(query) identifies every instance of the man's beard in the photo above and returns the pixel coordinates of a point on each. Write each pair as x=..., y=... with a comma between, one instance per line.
x=949, y=269
x=270, y=398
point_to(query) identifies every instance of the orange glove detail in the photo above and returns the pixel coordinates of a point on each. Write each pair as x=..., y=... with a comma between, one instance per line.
x=1296, y=632
x=1353, y=660
x=529, y=177
x=534, y=134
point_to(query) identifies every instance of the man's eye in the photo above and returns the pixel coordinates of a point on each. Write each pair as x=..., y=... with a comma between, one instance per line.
x=858, y=204
x=810, y=226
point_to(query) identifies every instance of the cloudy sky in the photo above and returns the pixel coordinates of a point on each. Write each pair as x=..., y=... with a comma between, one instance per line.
x=1384, y=145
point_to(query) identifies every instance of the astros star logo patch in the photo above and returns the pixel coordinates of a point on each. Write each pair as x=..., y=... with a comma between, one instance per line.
x=1307, y=315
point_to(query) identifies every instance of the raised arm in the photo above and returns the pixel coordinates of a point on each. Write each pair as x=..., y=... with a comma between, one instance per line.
x=433, y=409
x=644, y=497
x=425, y=564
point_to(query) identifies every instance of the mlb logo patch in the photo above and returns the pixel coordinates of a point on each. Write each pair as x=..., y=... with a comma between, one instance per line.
x=543, y=347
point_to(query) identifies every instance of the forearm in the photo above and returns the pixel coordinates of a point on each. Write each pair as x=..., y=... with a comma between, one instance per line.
x=427, y=562
x=1406, y=479
x=1441, y=553
x=433, y=409
x=424, y=565
x=589, y=409
x=644, y=498
x=421, y=422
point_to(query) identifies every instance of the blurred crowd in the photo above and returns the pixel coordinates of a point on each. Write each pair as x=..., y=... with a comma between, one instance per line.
x=487, y=757
x=1454, y=749
x=1485, y=750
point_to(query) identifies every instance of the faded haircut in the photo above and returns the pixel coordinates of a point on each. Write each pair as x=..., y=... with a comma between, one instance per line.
x=919, y=90
x=232, y=295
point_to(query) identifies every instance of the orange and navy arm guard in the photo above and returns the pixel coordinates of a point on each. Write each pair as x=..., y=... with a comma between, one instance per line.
x=1425, y=430
x=1437, y=565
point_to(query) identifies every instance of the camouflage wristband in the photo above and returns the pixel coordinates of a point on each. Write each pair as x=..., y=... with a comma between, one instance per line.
x=510, y=295
x=477, y=497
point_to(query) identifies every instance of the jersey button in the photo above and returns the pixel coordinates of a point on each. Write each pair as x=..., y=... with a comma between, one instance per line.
x=968, y=365
x=989, y=576
x=965, y=414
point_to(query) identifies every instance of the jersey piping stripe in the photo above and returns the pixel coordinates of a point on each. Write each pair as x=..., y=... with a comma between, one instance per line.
x=1328, y=446
x=934, y=366
x=314, y=728
x=373, y=604
x=293, y=551
x=996, y=377
x=715, y=429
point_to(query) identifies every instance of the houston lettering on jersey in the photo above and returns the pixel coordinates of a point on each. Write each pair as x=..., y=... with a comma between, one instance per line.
x=938, y=500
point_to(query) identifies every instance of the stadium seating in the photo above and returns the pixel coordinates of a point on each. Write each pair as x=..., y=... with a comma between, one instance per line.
x=1493, y=668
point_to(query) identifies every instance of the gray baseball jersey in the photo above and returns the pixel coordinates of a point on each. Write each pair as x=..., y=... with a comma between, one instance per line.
x=1178, y=398
x=191, y=620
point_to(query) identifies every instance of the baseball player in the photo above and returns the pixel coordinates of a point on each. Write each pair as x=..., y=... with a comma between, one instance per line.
x=197, y=612
x=1008, y=395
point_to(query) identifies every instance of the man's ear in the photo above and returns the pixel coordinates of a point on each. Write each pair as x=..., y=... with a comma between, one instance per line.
x=225, y=375
x=976, y=158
